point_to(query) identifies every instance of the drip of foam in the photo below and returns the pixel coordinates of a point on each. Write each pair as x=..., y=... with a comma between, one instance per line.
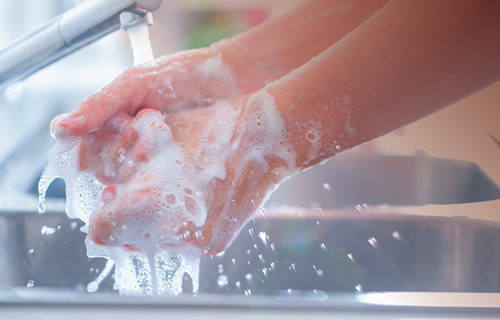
x=94, y=285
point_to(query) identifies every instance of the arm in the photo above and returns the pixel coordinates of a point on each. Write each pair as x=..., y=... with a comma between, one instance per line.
x=279, y=45
x=237, y=66
x=410, y=59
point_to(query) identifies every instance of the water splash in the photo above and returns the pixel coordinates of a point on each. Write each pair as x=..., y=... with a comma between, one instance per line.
x=94, y=285
x=133, y=274
x=397, y=236
x=222, y=281
x=323, y=247
x=46, y=230
x=374, y=243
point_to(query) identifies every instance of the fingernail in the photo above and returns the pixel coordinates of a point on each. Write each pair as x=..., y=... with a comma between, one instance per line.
x=70, y=120
x=64, y=125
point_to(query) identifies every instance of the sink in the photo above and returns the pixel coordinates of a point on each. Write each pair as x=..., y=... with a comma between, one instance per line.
x=308, y=251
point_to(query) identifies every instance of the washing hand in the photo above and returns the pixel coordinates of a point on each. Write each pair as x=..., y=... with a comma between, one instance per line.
x=188, y=177
x=184, y=80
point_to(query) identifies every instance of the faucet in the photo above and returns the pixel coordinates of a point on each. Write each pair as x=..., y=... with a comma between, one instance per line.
x=68, y=32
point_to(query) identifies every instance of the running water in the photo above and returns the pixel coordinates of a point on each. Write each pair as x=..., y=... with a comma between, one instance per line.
x=141, y=46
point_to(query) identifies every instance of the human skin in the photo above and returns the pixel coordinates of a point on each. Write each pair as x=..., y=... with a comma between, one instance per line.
x=257, y=56
x=409, y=59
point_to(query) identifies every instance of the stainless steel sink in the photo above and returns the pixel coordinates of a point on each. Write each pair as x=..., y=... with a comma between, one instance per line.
x=334, y=252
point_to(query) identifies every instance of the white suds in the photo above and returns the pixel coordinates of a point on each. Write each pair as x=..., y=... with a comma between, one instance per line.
x=137, y=218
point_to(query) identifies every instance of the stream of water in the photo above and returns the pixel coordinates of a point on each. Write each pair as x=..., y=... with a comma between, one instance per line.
x=141, y=45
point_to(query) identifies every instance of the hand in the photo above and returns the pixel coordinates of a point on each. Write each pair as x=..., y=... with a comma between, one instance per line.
x=198, y=174
x=184, y=80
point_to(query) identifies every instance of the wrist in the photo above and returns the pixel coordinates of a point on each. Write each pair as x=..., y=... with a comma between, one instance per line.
x=250, y=66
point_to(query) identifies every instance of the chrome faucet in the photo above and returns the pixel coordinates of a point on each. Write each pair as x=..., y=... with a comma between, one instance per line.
x=68, y=32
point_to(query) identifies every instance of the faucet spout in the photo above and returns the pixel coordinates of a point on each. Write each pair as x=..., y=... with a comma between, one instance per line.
x=70, y=31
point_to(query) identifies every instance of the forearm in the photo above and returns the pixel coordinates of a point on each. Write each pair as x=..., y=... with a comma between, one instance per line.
x=410, y=59
x=276, y=47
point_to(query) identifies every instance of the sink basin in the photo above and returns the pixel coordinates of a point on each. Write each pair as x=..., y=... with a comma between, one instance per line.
x=309, y=251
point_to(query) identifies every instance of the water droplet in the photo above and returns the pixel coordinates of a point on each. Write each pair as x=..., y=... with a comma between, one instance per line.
x=238, y=285
x=397, y=236
x=263, y=237
x=351, y=257
x=262, y=212
x=31, y=251
x=319, y=272
x=292, y=267
x=248, y=292
x=73, y=225
x=338, y=147
x=42, y=207
x=46, y=230
x=222, y=280
x=327, y=186
x=323, y=247
x=373, y=242
x=221, y=268
x=311, y=136
x=30, y=284
x=248, y=276
x=264, y=271
x=362, y=208
x=347, y=100
x=359, y=289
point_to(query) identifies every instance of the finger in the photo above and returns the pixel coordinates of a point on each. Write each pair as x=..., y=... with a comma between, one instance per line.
x=127, y=93
x=123, y=212
x=93, y=145
x=138, y=142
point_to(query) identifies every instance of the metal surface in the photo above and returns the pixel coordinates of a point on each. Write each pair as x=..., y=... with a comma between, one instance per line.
x=46, y=304
x=332, y=253
x=351, y=179
x=66, y=33
x=130, y=19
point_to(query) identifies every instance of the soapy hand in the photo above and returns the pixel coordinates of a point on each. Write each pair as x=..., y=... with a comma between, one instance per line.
x=187, y=79
x=188, y=177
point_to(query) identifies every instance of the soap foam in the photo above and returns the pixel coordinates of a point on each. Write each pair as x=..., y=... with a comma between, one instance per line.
x=177, y=190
